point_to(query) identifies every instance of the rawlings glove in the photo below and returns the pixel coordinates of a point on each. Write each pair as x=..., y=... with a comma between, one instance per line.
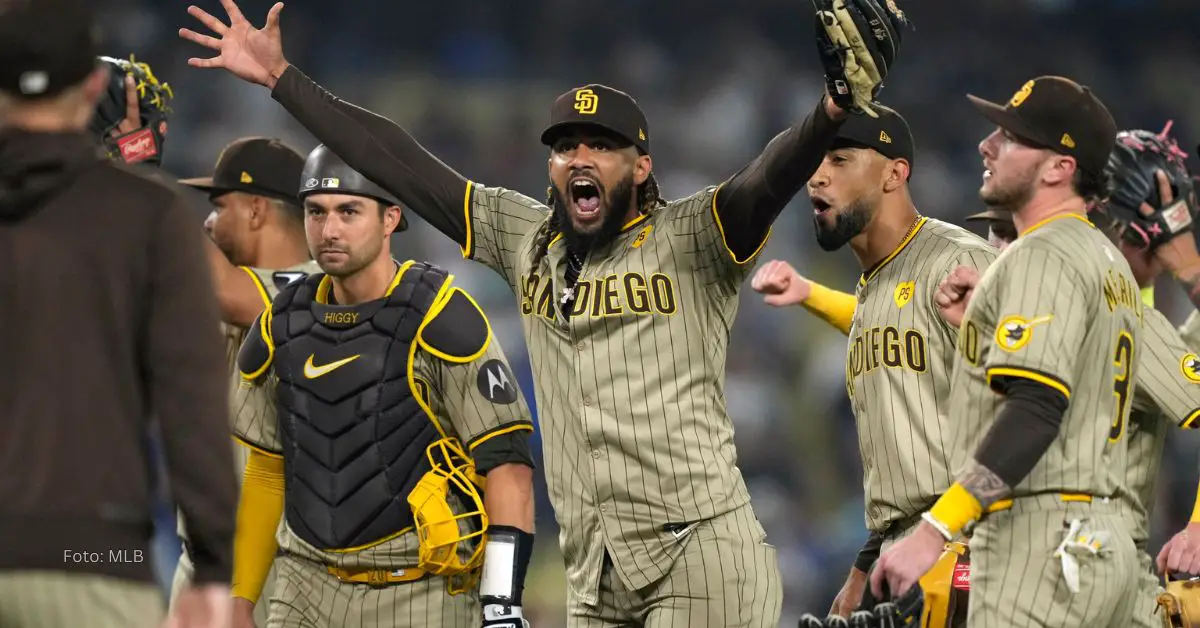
x=1132, y=164
x=140, y=140
x=858, y=41
x=1180, y=603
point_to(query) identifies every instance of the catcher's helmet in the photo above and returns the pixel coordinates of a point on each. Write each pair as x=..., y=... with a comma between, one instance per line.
x=144, y=144
x=326, y=173
x=1132, y=164
x=451, y=543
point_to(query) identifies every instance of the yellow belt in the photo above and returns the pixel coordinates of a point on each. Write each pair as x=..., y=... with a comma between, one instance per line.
x=376, y=577
x=1005, y=504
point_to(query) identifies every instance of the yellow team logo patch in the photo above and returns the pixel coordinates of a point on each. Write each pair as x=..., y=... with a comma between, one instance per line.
x=1022, y=94
x=641, y=237
x=884, y=137
x=642, y=134
x=246, y=178
x=1067, y=140
x=586, y=101
x=1190, y=367
x=1014, y=332
x=904, y=293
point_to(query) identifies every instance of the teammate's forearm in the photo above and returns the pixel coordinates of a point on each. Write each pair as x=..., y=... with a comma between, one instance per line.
x=1188, y=278
x=1026, y=427
x=869, y=552
x=380, y=149
x=749, y=202
x=832, y=306
x=239, y=299
x=509, y=497
x=259, y=510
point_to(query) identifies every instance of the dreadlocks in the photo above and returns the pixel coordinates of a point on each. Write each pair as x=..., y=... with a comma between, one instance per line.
x=648, y=198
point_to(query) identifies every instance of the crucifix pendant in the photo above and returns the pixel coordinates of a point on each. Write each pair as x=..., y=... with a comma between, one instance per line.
x=568, y=295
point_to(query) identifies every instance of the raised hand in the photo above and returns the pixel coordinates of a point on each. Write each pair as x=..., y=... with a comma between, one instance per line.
x=251, y=54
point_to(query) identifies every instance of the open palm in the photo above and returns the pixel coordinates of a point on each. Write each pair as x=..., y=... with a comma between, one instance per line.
x=252, y=54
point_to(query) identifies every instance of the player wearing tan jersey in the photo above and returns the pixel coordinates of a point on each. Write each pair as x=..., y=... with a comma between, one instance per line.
x=1060, y=347
x=627, y=302
x=255, y=247
x=898, y=359
x=1167, y=392
x=384, y=376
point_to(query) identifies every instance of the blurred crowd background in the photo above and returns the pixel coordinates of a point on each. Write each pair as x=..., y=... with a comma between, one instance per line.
x=473, y=81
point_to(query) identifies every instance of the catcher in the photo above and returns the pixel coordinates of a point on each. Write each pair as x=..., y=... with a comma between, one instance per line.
x=385, y=376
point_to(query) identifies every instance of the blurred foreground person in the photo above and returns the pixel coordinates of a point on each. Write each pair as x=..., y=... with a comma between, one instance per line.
x=106, y=319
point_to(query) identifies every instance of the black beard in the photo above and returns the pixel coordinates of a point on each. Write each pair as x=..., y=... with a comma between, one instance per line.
x=848, y=223
x=616, y=207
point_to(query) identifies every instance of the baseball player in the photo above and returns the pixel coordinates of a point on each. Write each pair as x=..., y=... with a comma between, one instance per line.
x=1167, y=392
x=256, y=246
x=1054, y=327
x=899, y=356
x=385, y=376
x=627, y=302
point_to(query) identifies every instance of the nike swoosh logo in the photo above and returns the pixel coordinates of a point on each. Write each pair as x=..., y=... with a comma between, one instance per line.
x=312, y=371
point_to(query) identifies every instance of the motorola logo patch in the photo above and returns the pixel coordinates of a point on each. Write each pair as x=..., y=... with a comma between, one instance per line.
x=496, y=382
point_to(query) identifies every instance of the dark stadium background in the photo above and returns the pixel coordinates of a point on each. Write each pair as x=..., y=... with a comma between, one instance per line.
x=473, y=80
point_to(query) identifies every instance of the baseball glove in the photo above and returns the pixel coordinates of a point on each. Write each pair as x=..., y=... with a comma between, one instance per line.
x=1137, y=156
x=143, y=144
x=858, y=41
x=1180, y=603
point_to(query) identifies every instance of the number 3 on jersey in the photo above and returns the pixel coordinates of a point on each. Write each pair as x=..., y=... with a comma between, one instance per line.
x=1123, y=360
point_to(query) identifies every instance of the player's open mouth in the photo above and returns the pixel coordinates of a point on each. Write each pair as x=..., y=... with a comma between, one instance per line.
x=585, y=196
x=987, y=174
x=820, y=205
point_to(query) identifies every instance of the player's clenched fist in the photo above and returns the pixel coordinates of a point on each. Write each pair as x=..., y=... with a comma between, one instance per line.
x=781, y=284
x=954, y=293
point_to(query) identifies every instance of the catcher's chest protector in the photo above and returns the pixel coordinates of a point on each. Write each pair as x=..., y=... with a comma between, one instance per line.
x=354, y=436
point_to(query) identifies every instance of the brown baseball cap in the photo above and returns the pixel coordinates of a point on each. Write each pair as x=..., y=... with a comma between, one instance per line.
x=262, y=166
x=887, y=134
x=46, y=46
x=991, y=215
x=1058, y=114
x=600, y=106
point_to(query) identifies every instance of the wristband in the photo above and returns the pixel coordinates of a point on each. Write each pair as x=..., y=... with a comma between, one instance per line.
x=505, y=561
x=954, y=510
x=832, y=306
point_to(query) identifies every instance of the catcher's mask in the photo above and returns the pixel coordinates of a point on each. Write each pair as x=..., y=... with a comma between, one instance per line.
x=144, y=144
x=451, y=544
